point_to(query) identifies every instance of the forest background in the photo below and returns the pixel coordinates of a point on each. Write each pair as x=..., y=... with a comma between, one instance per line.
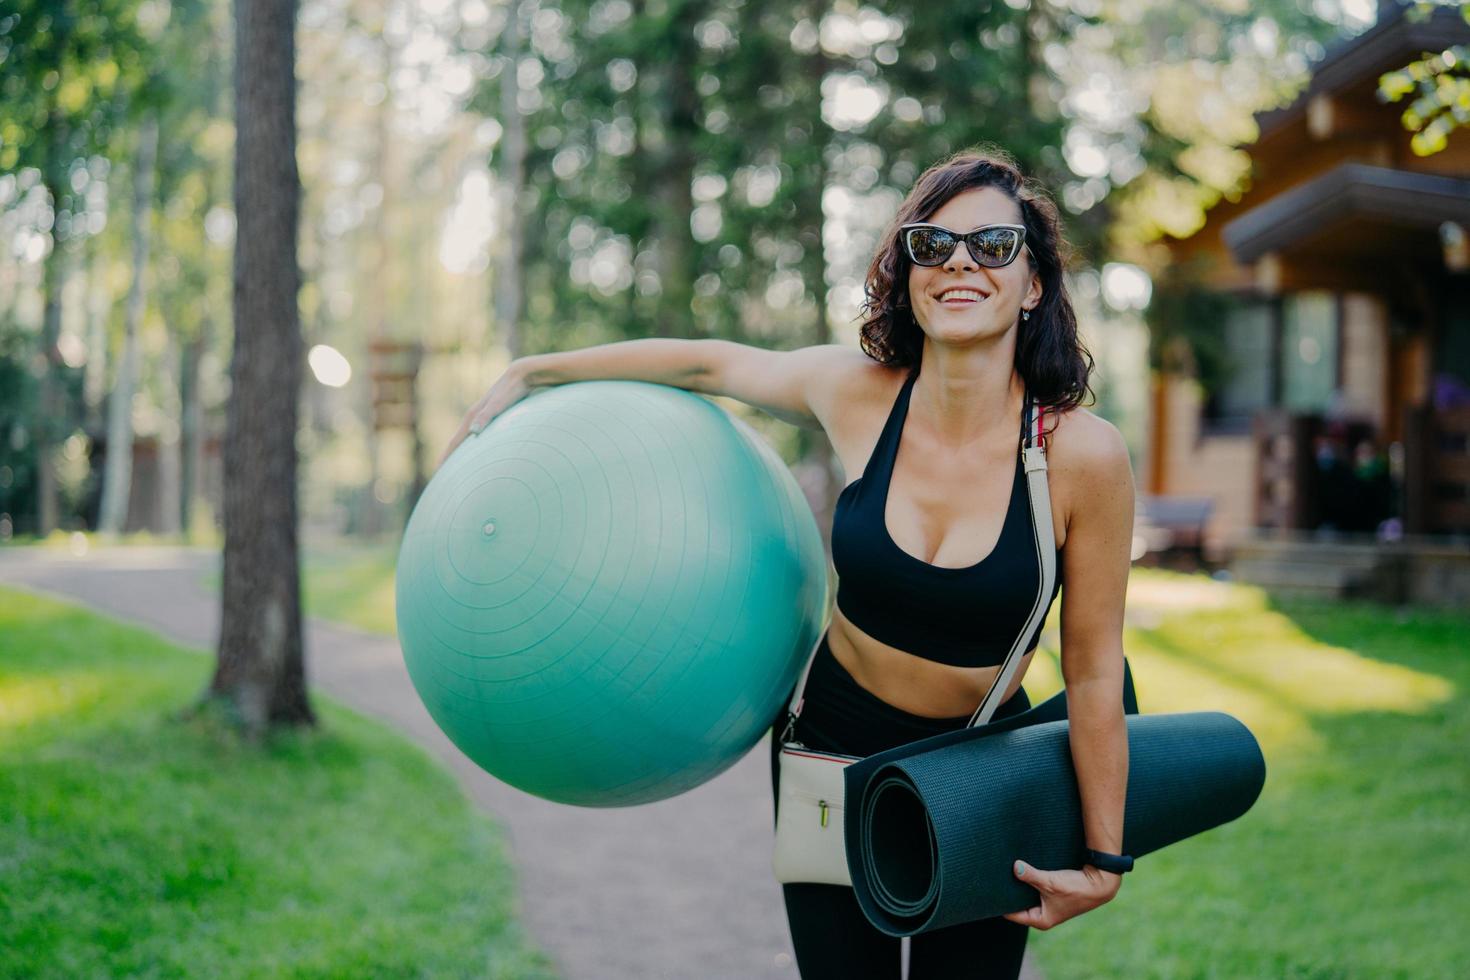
x=481, y=180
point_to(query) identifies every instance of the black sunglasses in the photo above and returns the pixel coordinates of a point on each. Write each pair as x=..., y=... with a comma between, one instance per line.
x=992, y=246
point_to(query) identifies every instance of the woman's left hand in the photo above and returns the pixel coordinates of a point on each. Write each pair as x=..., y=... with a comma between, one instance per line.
x=1064, y=894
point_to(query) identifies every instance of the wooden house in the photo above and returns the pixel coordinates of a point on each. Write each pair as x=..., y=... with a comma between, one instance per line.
x=1336, y=449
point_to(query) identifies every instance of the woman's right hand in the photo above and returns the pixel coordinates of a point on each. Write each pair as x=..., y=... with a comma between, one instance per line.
x=508, y=389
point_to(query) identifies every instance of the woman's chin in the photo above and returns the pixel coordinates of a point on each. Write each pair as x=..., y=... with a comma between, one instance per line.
x=959, y=332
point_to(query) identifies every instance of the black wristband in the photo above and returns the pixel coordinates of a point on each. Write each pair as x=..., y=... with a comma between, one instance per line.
x=1115, y=863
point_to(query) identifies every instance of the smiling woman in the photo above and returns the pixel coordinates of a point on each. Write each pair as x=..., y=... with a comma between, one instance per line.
x=939, y=558
x=942, y=536
x=1049, y=355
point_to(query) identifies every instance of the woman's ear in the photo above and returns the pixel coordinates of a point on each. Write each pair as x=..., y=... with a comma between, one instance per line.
x=1033, y=295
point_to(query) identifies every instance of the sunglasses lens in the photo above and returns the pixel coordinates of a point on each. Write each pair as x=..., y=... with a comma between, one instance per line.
x=930, y=246
x=994, y=246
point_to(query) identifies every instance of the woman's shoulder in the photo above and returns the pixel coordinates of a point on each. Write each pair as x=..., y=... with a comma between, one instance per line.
x=1090, y=473
x=852, y=380
x=1079, y=441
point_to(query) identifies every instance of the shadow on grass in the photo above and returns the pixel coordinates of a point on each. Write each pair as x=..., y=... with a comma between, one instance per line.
x=1418, y=638
x=1354, y=861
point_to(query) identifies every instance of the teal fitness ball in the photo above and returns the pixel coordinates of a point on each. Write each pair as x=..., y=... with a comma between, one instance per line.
x=606, y=596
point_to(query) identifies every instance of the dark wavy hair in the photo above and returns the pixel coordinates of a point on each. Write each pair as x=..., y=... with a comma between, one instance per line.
x=1049, y=356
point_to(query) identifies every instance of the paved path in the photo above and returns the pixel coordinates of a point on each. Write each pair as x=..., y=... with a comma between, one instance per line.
x=680, y=889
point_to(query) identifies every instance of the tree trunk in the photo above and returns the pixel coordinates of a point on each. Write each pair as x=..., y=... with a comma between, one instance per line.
x=51, y=399
x=680, y=260
x=191, y=430
x=260, y=671
x=509, y=272
x=643, y=181
x=170, y=475
x=117, y=475
x=94, y=383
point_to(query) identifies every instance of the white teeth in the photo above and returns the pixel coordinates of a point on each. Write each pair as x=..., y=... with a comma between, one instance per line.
x=972, y=294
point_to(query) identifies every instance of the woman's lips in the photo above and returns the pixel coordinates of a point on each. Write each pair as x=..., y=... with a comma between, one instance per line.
x=958, y=296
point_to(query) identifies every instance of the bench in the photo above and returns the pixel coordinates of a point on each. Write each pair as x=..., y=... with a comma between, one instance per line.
x=1164, y=523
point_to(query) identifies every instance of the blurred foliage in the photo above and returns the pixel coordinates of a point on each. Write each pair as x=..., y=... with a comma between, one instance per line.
x=697, y=168
x=75, y=81
x=1186, y=322
x=20, y=420
x=17, y=405
x=66, y=72
x=698, y=144
x=192, y=280
x=1171, y=102
x=1440, y=83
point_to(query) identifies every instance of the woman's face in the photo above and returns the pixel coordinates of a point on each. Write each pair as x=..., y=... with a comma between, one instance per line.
x=944, y=297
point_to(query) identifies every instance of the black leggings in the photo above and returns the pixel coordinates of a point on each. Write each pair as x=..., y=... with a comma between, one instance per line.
x=832, y=937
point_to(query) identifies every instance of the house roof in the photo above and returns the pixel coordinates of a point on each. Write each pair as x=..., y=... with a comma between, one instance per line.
x=1393, y=42
x=1351, y=192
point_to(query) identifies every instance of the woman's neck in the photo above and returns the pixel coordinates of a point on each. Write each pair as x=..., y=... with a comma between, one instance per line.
x=967, y=395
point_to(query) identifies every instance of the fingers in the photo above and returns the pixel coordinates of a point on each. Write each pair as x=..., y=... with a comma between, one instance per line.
x=1038, y=916
x=480, y=415
x=1034, y=917
x=1042, y=881
x=1062, y=895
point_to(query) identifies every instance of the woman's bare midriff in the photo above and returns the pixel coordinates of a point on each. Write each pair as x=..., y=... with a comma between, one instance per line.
x=908, y=682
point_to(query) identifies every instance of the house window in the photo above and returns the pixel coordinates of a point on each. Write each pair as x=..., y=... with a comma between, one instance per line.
x=1277, y=353
x=1248, y=371
x=1309, y=339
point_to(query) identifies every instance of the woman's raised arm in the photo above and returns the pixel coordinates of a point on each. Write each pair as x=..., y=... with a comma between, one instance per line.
x=795, y=386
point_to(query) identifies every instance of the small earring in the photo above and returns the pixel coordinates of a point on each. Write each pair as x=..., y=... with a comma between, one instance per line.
x=1025, y=314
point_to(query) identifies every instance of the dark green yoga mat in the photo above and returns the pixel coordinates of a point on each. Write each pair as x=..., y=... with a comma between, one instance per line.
x=933, y=828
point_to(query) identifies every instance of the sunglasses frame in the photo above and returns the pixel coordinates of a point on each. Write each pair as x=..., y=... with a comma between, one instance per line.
x=968, y=238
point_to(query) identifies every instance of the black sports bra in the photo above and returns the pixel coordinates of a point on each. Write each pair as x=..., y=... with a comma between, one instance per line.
x=966, y=617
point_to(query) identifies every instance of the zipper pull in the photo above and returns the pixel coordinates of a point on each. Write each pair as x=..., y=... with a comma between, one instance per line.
x=822, y=805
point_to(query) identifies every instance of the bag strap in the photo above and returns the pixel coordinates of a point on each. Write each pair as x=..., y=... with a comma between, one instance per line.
x=1033, y=459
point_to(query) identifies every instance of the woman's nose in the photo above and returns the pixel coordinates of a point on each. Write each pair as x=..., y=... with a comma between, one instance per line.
x=960, y=260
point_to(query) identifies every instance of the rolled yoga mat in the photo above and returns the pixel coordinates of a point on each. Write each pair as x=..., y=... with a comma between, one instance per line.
x=933, y=828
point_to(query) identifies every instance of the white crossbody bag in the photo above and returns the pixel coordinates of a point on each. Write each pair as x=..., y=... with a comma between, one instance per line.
x=809, y=819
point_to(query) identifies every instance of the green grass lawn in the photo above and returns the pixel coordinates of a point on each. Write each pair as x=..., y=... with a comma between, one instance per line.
x=133, y=843
x=1355, y=862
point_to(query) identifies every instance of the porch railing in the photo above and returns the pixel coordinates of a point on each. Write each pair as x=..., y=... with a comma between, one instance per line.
x=1437, y=470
